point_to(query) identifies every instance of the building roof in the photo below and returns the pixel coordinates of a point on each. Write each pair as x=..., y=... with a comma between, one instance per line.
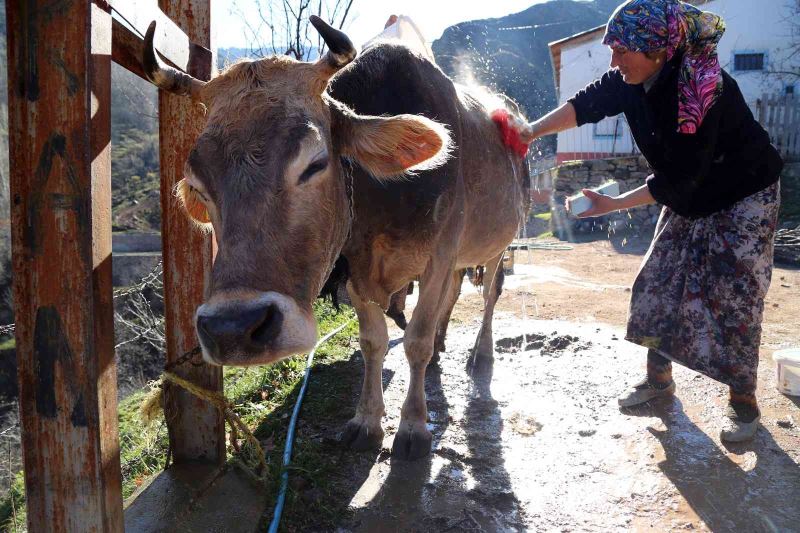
x=556, y=46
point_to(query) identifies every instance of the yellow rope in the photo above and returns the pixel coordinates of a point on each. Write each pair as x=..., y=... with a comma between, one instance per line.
x=154, y=403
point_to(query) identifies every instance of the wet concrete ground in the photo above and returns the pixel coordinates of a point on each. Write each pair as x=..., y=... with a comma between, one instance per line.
x=538, y=444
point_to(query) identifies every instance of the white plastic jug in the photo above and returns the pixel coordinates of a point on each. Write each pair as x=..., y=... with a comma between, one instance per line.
x=580, y=203
x=787, y=367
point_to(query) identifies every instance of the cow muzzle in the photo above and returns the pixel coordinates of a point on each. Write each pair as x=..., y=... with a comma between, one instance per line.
x=253, y=331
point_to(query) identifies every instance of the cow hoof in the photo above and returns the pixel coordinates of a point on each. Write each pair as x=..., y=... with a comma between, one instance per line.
x=413, y=441
x=360, y=437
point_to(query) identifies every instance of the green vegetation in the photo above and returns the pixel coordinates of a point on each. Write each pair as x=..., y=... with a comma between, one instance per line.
x=790, y=196
x=264, y=397
x=136, y=203
x=12, y=507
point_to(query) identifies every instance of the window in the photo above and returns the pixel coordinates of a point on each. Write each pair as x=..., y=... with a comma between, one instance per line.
x=609, y=127
x=749, y=61
x=789, y=90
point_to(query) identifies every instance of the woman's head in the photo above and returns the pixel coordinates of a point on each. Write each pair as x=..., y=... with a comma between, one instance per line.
x=636, y=67
x=643, y=34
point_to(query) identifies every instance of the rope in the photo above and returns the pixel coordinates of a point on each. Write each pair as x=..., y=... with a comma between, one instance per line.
x=153, y=404
x=287, y=451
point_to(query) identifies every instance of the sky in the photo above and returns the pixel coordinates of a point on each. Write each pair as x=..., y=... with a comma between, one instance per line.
x=369, y=16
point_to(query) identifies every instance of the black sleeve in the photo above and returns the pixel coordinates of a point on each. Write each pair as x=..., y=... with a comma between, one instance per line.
x=600, y=99
x=686, y=164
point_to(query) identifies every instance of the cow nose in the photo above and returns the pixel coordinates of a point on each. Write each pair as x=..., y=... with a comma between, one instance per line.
x=250, y=329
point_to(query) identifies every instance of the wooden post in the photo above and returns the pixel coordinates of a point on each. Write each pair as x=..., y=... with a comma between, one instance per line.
x=59, y=79
x=196, y=428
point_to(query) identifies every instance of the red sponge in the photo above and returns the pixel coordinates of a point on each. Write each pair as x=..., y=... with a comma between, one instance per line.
x=509, y=129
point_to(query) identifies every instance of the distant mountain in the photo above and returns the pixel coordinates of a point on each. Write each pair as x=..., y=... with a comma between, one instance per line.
x=228, y=56
x=510, y=54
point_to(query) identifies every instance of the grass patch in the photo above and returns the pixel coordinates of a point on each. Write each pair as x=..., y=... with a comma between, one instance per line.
x=264, y=398
x=544, y=216
x=8, y=344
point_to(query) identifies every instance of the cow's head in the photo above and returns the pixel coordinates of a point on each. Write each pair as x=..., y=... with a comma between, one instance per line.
x=266, y=174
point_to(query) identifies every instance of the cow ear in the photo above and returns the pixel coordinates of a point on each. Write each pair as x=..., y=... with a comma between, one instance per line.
x=389, y=147
x=192, y=204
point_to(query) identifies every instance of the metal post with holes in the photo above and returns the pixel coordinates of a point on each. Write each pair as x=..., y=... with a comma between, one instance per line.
x=196, y=428
x=59, y=79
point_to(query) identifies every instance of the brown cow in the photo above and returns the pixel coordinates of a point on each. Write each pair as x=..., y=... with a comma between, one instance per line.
x=294, y=170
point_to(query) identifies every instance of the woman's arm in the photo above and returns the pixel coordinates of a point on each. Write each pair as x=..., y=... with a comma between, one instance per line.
x=560, y=119
x=602, y=204
x=599, y=99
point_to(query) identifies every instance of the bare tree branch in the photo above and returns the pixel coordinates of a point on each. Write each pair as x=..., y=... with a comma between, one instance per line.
x=282, y=27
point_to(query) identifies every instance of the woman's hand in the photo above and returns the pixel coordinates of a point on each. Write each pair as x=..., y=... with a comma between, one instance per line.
x=527, y=132
x=601, y=204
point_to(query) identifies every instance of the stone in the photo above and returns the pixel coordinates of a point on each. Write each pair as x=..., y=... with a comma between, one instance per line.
x=601, y=165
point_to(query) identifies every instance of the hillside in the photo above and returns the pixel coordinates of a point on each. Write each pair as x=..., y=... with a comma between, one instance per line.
x=510, y=54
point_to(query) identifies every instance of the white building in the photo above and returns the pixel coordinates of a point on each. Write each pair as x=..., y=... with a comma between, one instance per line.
x=756, y=46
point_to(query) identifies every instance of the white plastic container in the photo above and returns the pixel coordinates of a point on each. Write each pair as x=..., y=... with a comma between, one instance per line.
x=580, y=203
x=787, y=367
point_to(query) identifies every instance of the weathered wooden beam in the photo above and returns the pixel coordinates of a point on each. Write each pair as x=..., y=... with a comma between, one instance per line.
x=170, y=40
x=128, y=48
x=196, y=428
x=59, y=80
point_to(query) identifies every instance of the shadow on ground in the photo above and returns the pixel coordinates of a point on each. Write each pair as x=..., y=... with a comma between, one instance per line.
x=759, y=494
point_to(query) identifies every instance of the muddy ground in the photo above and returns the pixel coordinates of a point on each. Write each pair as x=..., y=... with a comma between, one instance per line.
x=538, y=442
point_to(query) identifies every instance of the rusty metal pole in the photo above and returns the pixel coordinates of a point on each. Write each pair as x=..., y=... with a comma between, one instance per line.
x=196, y=428
x=59, y=80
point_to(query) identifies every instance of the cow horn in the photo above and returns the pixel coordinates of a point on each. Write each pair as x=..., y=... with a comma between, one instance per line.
x=163, y=76
x=340, y=48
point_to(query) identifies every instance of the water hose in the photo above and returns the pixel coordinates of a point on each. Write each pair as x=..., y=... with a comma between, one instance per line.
x=287, y=450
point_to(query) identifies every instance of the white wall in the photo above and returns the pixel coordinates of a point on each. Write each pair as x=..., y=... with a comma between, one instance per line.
x=580, y=65
x=752, y=26
x=757, y=26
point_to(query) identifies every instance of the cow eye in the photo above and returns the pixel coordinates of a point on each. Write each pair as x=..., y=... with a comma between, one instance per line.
x=313, y=168
x=199, y=194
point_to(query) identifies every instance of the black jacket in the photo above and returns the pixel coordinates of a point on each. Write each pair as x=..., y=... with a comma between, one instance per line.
x=729, y=157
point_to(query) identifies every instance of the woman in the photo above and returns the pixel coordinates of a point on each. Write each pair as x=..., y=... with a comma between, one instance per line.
x=699, y=296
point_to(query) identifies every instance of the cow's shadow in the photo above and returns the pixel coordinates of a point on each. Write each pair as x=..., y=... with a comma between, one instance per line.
x=453, y=489
x=461, y=485
x=758, y=492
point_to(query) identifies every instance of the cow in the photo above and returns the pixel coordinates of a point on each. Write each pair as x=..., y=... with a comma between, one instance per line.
x=378, y=159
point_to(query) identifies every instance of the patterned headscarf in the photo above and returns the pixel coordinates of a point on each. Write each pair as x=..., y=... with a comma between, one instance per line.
x=674, y=26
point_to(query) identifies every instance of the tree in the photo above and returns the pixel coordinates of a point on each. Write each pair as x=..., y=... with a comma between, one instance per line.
x=788, y=65
x=282, y=28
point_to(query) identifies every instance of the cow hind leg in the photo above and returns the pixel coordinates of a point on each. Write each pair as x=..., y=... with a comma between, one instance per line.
x=363, y=431
x=413, y=440
x=483, y=352
x=444, y=318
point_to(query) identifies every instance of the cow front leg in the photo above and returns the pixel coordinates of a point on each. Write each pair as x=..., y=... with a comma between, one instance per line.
x=363, y=431
x=413, y=440
x=483, y=352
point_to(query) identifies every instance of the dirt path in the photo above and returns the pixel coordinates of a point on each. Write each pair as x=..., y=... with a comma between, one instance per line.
x=540, y=445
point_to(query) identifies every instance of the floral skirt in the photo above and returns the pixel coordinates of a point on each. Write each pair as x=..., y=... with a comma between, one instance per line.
x=699, y=296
